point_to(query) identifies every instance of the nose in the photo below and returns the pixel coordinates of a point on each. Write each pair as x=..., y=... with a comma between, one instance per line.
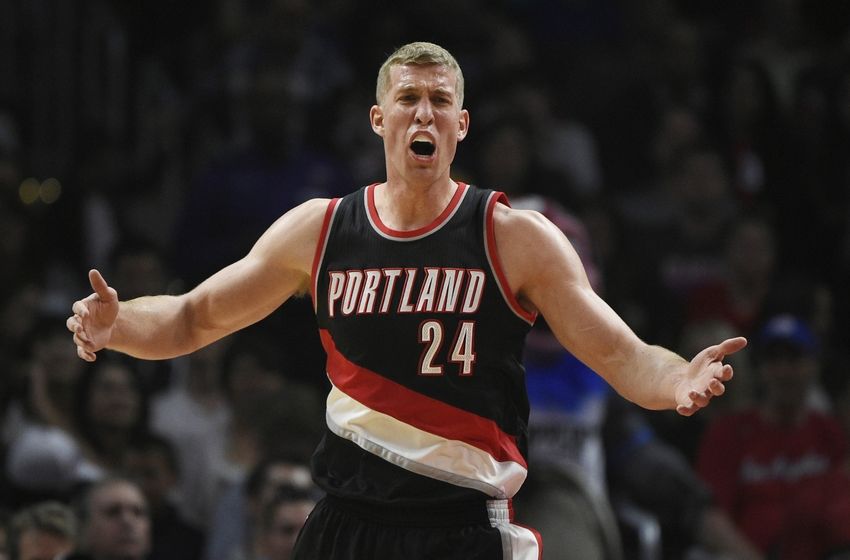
x=424, y=111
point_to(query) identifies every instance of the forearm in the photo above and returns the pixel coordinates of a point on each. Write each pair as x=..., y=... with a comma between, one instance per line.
x=649, y=376
x=644, y=374
x=154, y=328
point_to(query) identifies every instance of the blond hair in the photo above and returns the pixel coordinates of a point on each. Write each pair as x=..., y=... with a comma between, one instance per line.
x=52, y=517
x=419, y=53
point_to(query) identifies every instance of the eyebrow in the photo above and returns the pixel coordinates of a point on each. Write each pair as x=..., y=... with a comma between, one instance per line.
x=440, y=90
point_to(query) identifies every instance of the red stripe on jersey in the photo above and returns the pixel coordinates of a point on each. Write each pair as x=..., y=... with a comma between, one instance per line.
x=417, y=410
x=496, y=261
x=438, y=221
x=320, y=246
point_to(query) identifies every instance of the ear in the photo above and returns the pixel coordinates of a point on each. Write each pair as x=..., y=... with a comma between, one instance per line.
x=376, y=118
x=463, y=121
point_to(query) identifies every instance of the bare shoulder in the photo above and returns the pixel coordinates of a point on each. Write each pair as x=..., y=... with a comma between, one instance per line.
x=291, y=241
x=307, y=214
x=535, y=255
x=525, y=236
x=506, y=216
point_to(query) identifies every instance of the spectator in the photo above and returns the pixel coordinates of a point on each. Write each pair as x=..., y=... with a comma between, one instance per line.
x=747, y=122
x=114, y=522
x=683, y=254
x=44, y=459
x=776, y=467
x=650, y=477
x=140, y=268
x=152, y=462
x=238, y=523
x=266, y=411
x=89, y=426
x=738, y=295
x=507, y=157
x=111, y=411
x=43, y=531
x=252, y=378
x=190, y=414
x=280, y=521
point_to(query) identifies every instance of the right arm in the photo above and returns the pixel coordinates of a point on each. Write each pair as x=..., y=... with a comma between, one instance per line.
x=160, y=327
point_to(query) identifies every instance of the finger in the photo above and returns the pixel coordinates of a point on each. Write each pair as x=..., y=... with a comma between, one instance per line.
x=80, y=309
x=100, y=287
x=699, y=399
x=686, y=410
x=716, y=387
x=75, y=326
x=83, y=343
x=730, y=346
x=726, y=373
x=87, y=356
x=81, y=333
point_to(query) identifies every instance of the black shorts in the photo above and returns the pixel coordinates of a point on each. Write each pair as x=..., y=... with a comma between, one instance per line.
x=343, y=530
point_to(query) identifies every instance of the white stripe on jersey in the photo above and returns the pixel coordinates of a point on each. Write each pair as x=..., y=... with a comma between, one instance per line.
x=421, y=452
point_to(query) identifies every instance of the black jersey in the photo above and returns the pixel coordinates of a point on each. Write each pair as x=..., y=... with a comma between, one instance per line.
x=424, y=343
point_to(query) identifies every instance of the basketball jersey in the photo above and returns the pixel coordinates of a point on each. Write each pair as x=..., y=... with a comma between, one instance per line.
x=424, y=342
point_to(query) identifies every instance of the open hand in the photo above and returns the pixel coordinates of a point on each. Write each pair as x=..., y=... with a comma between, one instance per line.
x=706, y=376
x=94, y=318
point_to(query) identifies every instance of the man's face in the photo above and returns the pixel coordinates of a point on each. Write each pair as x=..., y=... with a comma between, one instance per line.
x=288, y=520
x=421, y=123
x=34, y=544
x=151, y=471
x=118, y=526
x=284, y=474
x=114, y=401
x=787, y=372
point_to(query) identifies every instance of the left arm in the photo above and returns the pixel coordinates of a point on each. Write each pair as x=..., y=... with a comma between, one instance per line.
x=545, y=272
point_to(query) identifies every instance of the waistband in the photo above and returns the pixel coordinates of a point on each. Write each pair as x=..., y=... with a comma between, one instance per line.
x=484, y=512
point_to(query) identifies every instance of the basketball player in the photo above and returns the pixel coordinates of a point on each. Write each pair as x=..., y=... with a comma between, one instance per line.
x=424, y=289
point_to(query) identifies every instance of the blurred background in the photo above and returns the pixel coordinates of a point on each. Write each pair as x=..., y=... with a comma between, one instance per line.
x=704, y=147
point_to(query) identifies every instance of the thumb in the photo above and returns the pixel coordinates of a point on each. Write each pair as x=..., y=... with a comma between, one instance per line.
x=101, y=288
x=730, y=346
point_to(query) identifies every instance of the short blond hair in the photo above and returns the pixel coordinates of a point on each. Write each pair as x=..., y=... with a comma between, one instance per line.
x=52, y=517
x=418, y=53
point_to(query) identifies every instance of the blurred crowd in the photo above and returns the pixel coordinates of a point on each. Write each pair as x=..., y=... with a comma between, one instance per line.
x=696, y=153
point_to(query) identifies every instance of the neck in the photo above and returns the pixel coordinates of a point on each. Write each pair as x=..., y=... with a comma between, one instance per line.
x=405, y=206
x=784, y=414
x=113, y=443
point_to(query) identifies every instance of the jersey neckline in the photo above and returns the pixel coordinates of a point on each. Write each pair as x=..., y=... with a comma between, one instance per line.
x=414, y=234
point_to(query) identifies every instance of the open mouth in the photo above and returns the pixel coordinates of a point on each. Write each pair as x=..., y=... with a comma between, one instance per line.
x=422, y=147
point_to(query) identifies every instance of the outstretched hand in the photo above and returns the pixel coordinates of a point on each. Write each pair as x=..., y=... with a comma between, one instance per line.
x=94, y=318
x=706, y=375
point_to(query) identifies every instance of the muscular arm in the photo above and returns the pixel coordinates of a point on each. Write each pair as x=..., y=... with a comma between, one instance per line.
x=546, y=274
x=158, y=327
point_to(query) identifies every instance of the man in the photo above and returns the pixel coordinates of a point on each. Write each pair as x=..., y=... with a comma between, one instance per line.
x=424, y=289
x=43, y=531
x=779, y=467
x=114, y=522
x=281, y=517
x=152, y=463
